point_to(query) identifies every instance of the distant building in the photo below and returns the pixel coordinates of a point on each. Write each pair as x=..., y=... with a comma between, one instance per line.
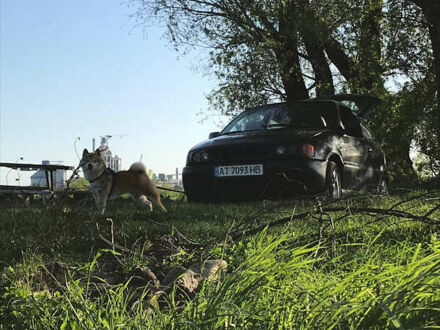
x=112, y=162
x=173, y=180
x=38, y=179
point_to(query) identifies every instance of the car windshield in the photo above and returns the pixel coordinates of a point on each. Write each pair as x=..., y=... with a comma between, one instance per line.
x=303, y=115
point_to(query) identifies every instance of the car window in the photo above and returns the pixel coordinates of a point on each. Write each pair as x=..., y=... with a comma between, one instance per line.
x=303, y=115
x=351, y=124
x=296, y=117
x=250, y=121
x=362, y=105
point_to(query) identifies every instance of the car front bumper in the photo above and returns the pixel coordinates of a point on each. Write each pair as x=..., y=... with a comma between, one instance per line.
x=281, y=178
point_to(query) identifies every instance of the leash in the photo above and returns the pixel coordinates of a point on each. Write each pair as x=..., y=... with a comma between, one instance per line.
x=107, y=171
x=168, y=189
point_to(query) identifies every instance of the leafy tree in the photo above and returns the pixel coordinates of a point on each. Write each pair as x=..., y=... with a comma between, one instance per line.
x=266, y=50
x=256, y=47
x=431, y=10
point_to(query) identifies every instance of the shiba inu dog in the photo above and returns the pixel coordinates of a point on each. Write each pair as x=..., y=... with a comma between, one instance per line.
x=106, y=184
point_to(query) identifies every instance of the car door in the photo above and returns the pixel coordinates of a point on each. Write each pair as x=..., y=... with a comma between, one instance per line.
x=354, y=150
x=375, y=158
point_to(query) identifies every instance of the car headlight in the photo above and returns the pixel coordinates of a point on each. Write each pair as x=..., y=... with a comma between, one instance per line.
x=204, y=156
x=280, y=151
x=196, y=157
x=283, y=151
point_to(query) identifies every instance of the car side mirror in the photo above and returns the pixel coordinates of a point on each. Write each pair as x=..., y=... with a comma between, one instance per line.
x=213, y=135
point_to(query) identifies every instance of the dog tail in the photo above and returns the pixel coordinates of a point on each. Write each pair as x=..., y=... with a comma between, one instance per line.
x=137, y=167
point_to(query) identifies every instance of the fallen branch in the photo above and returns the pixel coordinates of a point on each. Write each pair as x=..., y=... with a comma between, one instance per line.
x=114, y=245
x=425, y=218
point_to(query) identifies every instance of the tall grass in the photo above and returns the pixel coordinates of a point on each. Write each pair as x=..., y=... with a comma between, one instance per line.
x=273, y=287
x=364, y=274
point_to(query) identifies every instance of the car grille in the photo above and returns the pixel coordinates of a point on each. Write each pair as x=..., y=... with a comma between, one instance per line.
x=239, y=153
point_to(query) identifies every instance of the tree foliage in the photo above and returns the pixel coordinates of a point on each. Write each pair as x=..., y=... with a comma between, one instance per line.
x=269, y=50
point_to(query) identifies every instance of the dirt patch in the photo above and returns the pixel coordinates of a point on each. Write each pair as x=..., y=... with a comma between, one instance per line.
x=150, y=274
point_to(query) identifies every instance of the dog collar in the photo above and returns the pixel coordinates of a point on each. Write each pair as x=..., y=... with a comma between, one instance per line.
x=107, y=171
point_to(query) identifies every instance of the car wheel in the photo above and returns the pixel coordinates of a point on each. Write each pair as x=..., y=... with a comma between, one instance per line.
x=333, y=181
x=382, y=187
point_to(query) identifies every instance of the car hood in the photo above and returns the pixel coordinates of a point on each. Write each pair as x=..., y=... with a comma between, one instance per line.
x=276, y=136
x=366, y=104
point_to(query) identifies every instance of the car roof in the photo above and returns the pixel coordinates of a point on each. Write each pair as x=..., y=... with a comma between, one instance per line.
x=336, y=118
x=362, y=105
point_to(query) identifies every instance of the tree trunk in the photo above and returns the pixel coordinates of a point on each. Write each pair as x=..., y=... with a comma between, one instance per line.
x=286, y=52
x=369, y=46
x=362, y=74
x=431, y=10
x=290, y=71
x=321, y=68
x=346, y=66
x=434, y=31
x=312, y=32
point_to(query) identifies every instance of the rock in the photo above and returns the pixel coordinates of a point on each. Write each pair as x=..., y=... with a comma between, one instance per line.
x=172, y=275
x=190, y=279
x=184, y=278
x=210, y=269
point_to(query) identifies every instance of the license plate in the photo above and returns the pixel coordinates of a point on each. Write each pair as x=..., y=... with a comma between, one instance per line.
x=238, y=170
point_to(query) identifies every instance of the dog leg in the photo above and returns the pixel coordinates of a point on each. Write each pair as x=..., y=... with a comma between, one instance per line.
x=144, y=201
x=102, y=205
x=102, y=200
x=151, y=191
x=158, y=202
x=95, y=195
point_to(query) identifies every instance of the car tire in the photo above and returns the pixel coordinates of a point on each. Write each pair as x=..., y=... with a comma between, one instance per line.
x=382, y=186
x=333, y=187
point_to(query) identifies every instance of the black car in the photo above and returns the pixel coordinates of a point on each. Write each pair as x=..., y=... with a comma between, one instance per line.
x=279, y=150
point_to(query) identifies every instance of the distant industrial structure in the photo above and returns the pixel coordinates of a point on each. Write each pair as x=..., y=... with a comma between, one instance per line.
x=38, y=179
x=112, y=162
x=173, y=180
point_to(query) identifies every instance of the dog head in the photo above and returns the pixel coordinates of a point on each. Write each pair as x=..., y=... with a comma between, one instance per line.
x=92, y=164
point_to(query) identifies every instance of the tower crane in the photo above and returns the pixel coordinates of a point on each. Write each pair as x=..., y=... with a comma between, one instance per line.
x=105, y=138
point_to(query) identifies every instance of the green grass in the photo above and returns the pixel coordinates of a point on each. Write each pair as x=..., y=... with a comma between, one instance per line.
x=366, y=272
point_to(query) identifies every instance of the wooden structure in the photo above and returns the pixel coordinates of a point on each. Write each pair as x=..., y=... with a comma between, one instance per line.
x=48, y=169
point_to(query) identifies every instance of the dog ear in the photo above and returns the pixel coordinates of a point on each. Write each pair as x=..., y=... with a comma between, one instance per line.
x=85, y=152
x=98, y=152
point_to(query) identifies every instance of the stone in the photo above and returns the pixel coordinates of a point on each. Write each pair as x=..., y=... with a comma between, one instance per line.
x=210, y=269
x=190, y=279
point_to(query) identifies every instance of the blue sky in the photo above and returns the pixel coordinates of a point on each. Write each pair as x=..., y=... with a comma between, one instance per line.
x=81, y=68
